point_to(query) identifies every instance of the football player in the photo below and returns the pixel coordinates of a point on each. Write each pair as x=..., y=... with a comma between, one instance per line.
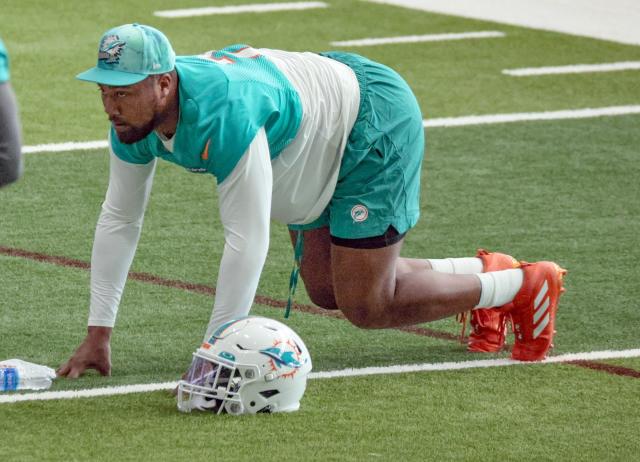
x=330, y=144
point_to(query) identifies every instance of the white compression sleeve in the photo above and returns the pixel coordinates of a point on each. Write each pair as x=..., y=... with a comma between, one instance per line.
x=470, y=265
x=499, y=287
x=245, y=211
x=116, y=238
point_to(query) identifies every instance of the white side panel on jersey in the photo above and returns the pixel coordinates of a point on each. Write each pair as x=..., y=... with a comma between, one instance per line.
x=306, y=172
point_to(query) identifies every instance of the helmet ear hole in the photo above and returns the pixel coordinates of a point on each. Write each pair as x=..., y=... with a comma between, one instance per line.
x=233, y=408
x=269, y=393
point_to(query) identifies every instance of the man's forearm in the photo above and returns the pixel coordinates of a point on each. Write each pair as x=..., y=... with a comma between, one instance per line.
x=113, y=251
x=238, y=278
x=116, y=238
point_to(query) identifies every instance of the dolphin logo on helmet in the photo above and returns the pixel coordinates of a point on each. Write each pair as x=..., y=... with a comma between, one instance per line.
x=283, y=357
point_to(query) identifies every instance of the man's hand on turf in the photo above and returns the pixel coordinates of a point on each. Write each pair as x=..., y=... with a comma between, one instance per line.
x=93, y=353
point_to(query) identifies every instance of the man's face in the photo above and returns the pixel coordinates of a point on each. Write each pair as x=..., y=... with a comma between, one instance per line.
x=133, y=110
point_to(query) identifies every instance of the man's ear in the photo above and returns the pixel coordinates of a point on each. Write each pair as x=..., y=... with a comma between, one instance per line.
x=165, y=83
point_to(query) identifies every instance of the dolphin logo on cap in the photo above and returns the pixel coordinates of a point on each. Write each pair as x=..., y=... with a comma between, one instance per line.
x=110, y=49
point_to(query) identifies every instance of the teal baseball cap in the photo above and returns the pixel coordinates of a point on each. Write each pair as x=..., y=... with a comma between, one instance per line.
x=129, y=54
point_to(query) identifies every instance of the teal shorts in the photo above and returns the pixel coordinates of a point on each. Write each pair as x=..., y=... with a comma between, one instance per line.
x=379, y=179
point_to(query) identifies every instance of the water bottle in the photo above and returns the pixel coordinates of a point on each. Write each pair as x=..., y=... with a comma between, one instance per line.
x=16, y=374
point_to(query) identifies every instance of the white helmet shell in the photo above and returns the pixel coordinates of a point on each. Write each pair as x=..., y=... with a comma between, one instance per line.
x=249, y=365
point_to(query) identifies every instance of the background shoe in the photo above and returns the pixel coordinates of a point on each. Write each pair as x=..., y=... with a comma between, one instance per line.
x=488, y=330
x=489, y=325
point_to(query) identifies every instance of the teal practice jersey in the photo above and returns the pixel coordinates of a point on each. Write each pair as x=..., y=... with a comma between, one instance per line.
x=4, y=63
x=226, y=96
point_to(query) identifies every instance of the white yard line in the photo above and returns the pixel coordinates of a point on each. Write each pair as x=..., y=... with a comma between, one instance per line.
x=399, y=369
x=68, y=146
x=574, y=69
x=418, y=38
x=444, y=122
x=482, y=363
x=87, y=393
x=234, y=9
x=531, y=116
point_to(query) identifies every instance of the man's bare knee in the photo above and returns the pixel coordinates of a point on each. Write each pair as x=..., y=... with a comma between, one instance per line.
x=323, y=298
x=365, y=315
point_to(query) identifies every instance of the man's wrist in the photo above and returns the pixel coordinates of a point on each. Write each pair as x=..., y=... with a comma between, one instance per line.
x=99, y=332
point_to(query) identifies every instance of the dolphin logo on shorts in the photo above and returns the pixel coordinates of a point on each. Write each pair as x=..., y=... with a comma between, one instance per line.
x=359, y=213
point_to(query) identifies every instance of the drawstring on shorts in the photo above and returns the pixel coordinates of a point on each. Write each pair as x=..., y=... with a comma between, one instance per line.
x=295, y=271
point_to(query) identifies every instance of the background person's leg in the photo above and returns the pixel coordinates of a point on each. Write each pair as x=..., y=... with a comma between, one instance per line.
x=10, y=137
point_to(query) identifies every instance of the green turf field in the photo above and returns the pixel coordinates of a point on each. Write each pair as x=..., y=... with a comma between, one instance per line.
x=565, y=190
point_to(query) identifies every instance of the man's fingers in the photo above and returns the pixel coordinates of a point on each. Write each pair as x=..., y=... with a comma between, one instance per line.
x=93, y=353
x=70, y=370
x=63, y=370
x=75, y=372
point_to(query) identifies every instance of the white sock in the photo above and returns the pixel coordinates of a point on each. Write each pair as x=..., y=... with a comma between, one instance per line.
x=470, y=265
x=499, y=287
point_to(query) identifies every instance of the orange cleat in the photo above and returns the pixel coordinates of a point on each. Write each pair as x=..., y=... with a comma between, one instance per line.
x=533, y=310
x=489, y=325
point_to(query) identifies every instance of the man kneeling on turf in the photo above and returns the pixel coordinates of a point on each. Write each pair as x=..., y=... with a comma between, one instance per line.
x=330, y=144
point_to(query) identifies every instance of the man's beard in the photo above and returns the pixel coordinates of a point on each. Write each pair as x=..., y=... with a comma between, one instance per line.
x=134, y=134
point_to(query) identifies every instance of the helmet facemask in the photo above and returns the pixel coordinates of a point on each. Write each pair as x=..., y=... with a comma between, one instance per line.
x=213, y=385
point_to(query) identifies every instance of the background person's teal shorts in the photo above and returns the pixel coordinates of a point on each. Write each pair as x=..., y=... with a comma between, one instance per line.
x=379, y=179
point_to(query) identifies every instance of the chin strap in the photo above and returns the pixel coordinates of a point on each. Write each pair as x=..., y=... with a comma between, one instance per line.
x=295, y=271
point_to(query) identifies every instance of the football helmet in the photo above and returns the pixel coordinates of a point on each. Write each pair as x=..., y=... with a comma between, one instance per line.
x=249, y=365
